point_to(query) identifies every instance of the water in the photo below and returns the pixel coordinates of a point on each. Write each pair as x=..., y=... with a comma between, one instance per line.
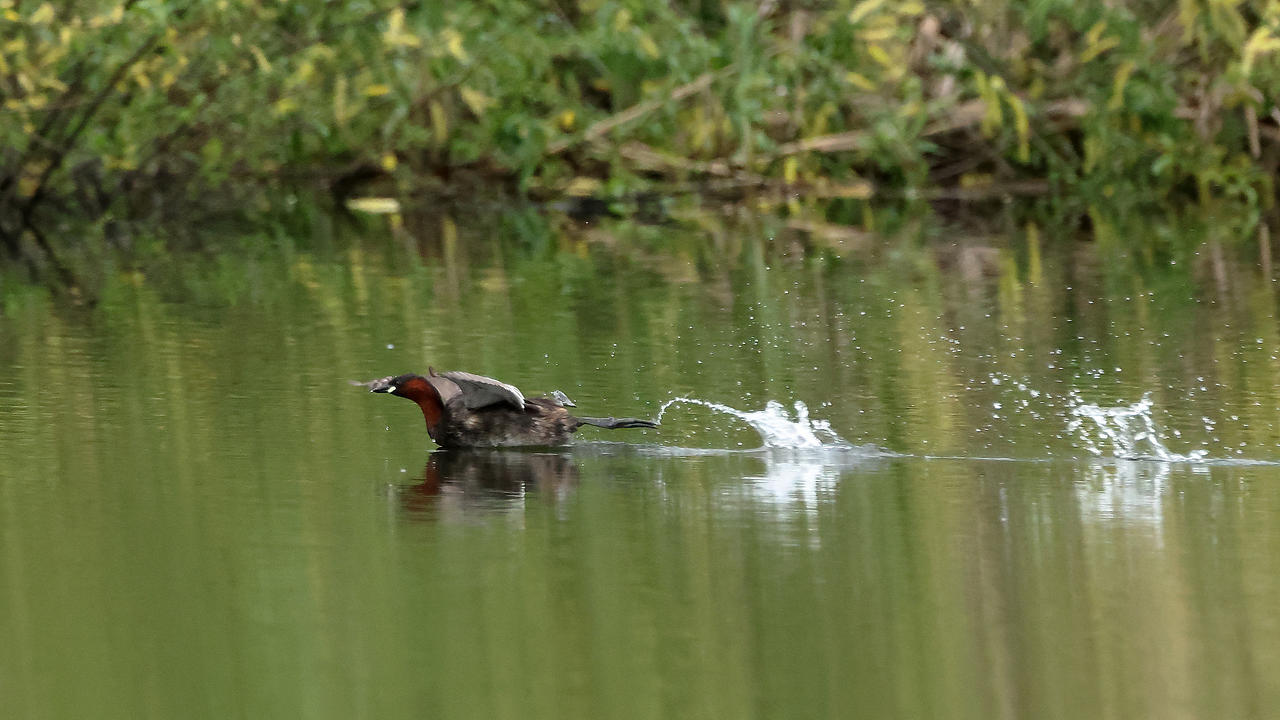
x=1128, y=432
x=776, y=428
x=887, y=486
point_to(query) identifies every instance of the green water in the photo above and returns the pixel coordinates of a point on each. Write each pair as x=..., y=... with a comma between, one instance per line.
x=199, y=517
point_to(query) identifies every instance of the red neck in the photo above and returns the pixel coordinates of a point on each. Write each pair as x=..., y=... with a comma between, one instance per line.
x=421, y=392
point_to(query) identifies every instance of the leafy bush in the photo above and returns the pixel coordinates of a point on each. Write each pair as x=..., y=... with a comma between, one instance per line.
x=118, y=108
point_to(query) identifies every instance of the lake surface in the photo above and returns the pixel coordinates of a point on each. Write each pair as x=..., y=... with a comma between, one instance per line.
x=928, y=474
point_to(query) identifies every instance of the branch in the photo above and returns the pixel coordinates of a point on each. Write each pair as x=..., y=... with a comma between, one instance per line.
x=603, y=127
x=648, y=157
x=60, y=155
x=965, y=115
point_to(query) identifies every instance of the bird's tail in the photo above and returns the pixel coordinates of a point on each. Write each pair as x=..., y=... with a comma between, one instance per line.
x=618, y=423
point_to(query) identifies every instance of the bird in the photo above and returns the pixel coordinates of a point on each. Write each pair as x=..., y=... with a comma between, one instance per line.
x=465, y=410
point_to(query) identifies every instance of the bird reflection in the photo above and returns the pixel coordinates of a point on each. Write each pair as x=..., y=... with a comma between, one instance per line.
x=458, y=482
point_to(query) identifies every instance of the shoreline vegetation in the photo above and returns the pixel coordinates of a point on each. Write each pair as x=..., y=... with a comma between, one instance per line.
x=120, y=111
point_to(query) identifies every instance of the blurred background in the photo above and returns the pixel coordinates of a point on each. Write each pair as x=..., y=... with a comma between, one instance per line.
x=959, y=319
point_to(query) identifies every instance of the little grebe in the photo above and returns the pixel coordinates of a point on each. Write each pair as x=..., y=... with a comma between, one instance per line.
x=465, y=410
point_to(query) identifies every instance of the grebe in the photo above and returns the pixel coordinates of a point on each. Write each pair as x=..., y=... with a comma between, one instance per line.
x=466, y=410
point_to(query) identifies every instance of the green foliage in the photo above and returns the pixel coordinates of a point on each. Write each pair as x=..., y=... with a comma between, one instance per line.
x=106, y=102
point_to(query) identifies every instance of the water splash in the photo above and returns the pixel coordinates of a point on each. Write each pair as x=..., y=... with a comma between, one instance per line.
x=1125, y=431
x=776, y=427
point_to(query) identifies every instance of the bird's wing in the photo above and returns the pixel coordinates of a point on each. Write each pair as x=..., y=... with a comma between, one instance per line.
x=447, y=388
x=479, y=391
